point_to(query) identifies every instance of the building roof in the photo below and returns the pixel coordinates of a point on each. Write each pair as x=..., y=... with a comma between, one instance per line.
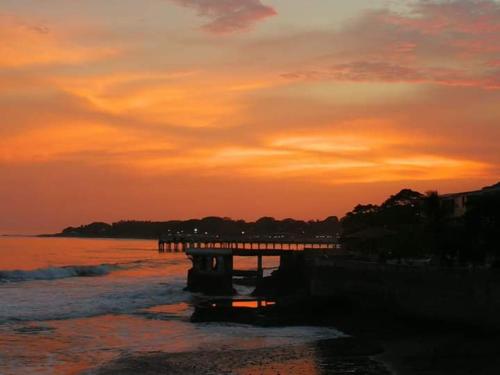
x=486, y=189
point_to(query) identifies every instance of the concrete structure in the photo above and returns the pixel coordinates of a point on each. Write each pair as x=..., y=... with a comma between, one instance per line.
x=461, y=295
x=212, y=271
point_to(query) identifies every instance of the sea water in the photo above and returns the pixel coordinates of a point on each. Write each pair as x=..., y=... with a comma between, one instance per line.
x=69, y=305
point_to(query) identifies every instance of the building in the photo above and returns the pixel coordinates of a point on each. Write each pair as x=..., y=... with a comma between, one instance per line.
x=456, y=203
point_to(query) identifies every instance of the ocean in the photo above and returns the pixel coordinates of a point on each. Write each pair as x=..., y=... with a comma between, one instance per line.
x=68, y=306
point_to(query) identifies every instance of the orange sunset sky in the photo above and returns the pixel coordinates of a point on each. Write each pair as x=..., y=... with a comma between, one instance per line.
x=166, y=109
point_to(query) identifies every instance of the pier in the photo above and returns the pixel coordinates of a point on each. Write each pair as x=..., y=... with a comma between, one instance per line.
x=176, y=243
x=212, y=258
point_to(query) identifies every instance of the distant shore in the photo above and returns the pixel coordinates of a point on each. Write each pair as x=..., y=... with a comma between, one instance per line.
x=223, y=226
x=62, y=235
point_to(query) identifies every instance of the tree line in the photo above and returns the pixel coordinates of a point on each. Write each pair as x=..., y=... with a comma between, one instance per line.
x=408, y=224
x=209, y=225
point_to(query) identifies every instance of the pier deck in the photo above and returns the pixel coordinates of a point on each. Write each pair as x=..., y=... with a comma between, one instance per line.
x=241, y=245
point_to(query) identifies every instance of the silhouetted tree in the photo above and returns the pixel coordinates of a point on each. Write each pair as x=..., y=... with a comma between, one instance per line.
x=393, y=229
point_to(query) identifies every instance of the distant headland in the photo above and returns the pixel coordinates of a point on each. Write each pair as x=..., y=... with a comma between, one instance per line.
x=208, y=225
x=459, y=226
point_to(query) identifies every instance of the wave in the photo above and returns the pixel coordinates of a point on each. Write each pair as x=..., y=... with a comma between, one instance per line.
x=54, y=273
x=63, y=272
x=40, y=302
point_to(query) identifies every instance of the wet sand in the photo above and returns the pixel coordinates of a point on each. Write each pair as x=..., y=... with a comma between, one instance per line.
x=379, y=344
x=425, y=347
x=336, y=356
x=424, y=353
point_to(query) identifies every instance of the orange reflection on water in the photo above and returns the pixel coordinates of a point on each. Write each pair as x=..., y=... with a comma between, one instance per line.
x=28, y=253
x=254, y=304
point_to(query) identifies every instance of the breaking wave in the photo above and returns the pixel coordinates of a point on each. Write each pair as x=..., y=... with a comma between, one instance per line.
x=54, y=273
x=74, y=300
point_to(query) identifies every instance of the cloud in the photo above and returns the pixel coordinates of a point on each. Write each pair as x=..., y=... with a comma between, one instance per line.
x=453, y=42
x=382, y=71
x=28, y=43
x=229, y=16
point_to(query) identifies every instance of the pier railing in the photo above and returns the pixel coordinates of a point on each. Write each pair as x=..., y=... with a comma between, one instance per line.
x=242, y=243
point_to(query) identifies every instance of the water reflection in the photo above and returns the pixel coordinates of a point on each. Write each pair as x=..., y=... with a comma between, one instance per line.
x=246, y=311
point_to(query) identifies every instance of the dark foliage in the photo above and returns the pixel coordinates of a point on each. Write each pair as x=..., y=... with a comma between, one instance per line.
x=410, y=224
x=390, y=230
x=208, y=225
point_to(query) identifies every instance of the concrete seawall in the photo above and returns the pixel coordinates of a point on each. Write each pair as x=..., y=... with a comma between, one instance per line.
x=460, y=295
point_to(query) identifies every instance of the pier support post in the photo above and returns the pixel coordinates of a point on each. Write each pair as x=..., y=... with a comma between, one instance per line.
x=260, y=270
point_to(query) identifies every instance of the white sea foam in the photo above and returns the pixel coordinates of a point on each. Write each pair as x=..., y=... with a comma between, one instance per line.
x=67, y=292
x=74, y=298
x=54, y=273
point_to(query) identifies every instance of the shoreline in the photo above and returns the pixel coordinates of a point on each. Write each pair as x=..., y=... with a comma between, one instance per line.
x=376, y=343
x=76, y=237
x=438, y=354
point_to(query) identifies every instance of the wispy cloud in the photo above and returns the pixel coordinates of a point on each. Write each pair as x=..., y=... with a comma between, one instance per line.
x=453, y=42
x=228, y=16
x=30, y=43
